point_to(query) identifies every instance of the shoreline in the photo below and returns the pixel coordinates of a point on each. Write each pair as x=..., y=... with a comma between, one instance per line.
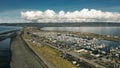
x=6, y=40
x=90, y=35
x=22, y=55
x=34, y=51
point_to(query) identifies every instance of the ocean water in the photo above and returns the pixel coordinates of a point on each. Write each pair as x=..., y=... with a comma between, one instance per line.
x=8, y=28
x=5, y=47
x=112, y=31
x=5, y=53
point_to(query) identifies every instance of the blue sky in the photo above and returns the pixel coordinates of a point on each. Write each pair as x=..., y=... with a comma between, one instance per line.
x=10, y=9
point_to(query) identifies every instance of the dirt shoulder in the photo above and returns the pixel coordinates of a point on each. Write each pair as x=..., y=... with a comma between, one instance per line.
x=23, y=56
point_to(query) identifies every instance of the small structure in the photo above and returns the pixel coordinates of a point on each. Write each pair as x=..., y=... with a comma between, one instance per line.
x=81, y=50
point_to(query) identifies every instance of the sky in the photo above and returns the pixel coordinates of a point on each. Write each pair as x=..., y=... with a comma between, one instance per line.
x=14, y=11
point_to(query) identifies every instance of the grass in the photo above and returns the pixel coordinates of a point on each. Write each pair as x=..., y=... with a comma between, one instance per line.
x=50, y=55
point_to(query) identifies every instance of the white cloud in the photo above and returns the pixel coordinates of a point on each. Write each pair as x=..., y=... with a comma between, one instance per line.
x=84, y=15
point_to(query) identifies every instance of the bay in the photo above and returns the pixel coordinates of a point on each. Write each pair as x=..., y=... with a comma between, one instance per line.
x=5, y=54
x=112, y=31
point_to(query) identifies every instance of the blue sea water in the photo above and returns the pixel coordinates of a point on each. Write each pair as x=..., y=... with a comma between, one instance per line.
x=8, y=28
x=5, y=47
x=112, y=31
x=5, y=53
x=5, y=44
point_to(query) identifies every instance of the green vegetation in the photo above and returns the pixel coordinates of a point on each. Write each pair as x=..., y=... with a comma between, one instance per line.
x=93, y=35
x=50, y=55
x=25, y=36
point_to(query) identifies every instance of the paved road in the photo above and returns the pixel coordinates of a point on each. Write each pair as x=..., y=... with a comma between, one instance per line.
x=88, y=61
x=76, y=55
x=23, y=57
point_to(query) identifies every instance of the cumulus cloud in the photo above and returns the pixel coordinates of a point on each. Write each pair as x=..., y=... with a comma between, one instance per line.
x=84, y=15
